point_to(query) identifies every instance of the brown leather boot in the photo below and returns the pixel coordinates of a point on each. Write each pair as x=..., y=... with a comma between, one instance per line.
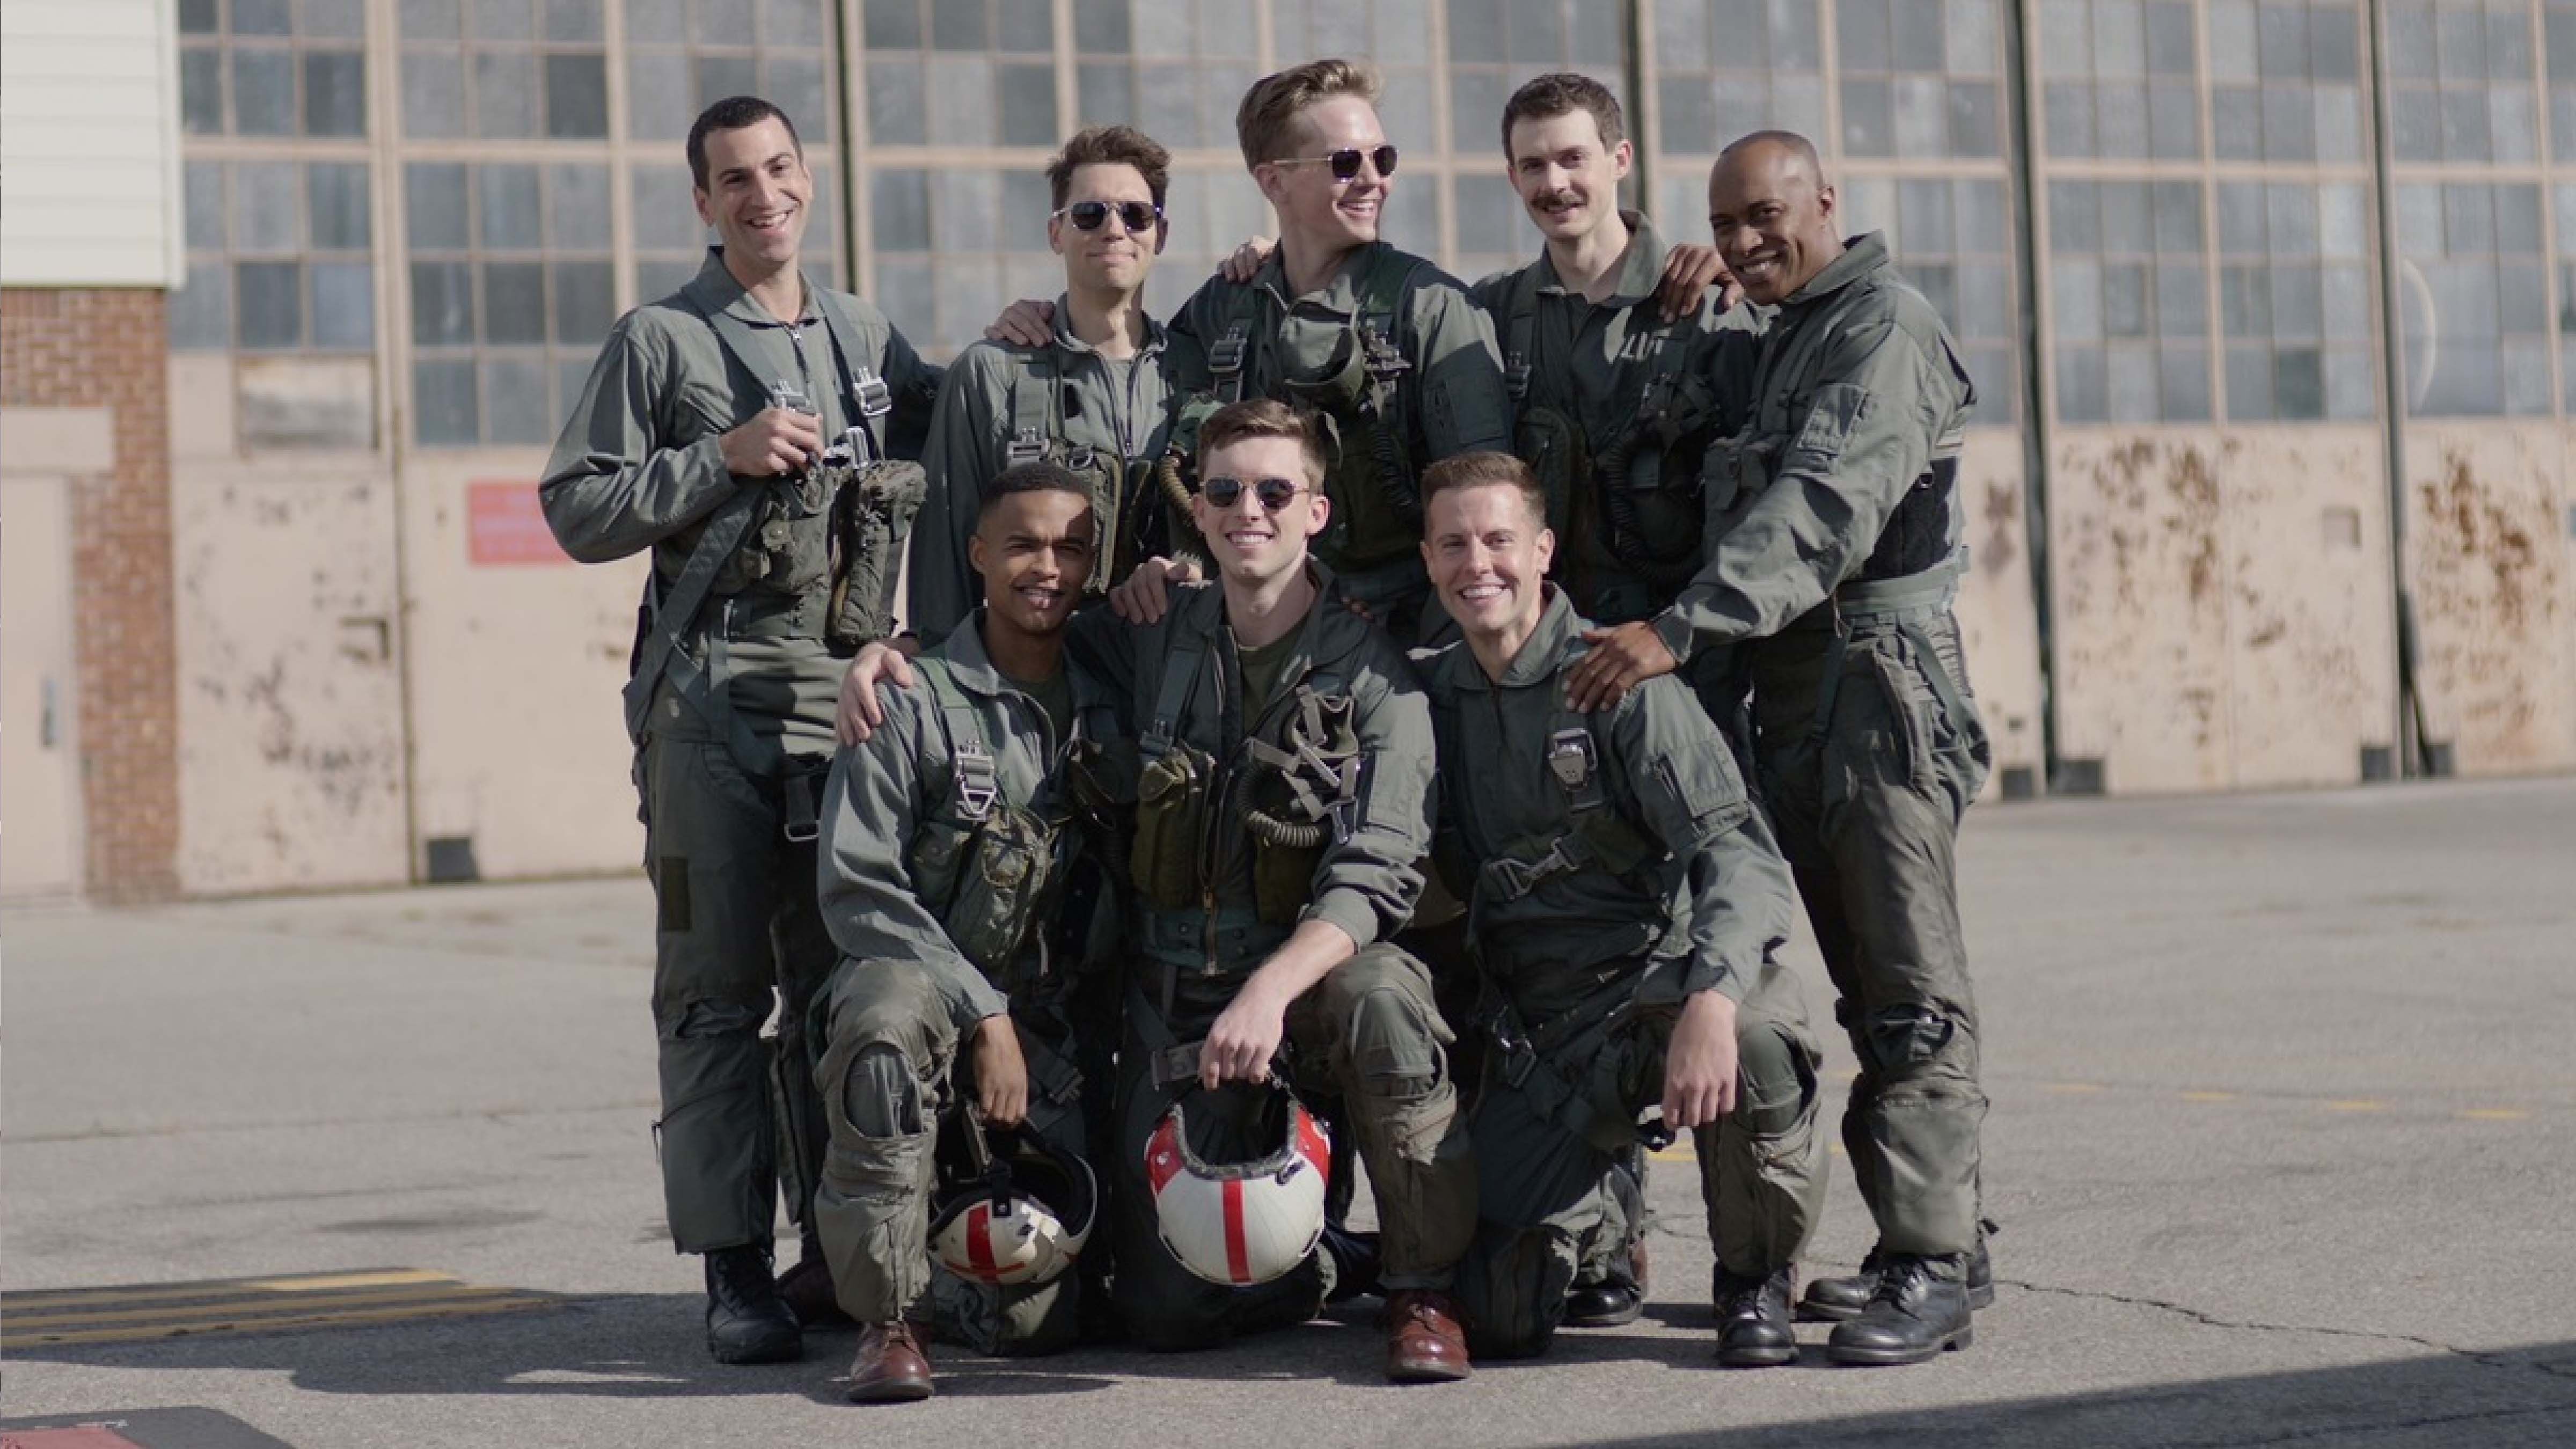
x=1424, y=1344
x=890, y=1367
x=807, y=1288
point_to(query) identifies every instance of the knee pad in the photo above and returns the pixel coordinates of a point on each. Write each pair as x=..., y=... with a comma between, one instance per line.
x=879, y=1096
x=1393, y=1050
x=1775, y=1082
x=1906, y=1036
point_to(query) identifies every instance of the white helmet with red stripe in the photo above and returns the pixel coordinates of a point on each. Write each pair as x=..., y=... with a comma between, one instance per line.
x=1240, y=1223
x=1020, y=1215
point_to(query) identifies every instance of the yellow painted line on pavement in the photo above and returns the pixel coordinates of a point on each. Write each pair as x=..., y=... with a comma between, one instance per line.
x=128, y=1312
x=2209, y=1096
x=2495, y=1114
x=2355, y=1104
x=217, y=1288
x=450, y=1309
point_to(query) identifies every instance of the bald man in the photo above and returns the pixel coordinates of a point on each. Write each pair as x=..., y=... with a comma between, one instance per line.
x=1831, y=562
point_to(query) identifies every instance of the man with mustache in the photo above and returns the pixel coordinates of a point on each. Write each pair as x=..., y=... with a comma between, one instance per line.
x=1832, y=560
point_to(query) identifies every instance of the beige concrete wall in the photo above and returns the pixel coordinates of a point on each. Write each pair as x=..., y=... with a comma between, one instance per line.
x=2220, y=607
x=2487, y=558
x=1998, y=623
x=515, y=672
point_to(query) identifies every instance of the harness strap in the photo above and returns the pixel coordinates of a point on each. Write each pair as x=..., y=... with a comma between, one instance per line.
x=973, y=777
x=1232, y=350
x=870, y=398
x=1172, y=695
x=1033, y=405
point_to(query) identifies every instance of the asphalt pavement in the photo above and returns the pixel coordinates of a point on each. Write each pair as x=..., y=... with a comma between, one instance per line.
x=2283, y=1145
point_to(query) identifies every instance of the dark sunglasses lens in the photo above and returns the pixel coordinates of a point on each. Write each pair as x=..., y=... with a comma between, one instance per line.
x=1137, y=216
x=1274, y=493
x=1384, y=156
x=1223, y=492
x=1088, y=215
x=1346, y=162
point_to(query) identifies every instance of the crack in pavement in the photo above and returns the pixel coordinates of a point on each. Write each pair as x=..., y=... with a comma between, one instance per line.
x=2211, y=1320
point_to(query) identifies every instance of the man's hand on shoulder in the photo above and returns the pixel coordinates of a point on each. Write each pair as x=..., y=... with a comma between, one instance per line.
x=1028, y=322
x=861, y=714
x=1621, y=658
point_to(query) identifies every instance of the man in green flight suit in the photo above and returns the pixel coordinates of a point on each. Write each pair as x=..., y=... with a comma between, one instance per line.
x=1832, y=561
x=1625, y=905
x=1092, y=396
x=950, y=839
x=1285, y=803
x=1382, y=343
x=1609, y=378
x=702, y=436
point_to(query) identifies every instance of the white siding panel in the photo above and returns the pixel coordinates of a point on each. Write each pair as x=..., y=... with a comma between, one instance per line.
x=89, y=144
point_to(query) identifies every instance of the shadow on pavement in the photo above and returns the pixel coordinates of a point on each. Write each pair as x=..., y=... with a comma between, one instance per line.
x=2518, y=1398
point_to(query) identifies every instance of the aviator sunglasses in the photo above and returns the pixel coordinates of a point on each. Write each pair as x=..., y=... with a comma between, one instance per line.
x=1272, y=493
x=1346, y=161
x=1136, y=216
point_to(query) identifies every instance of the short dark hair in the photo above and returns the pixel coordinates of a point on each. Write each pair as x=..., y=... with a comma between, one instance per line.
x=1040, y=477
x=1562, y=93
x=733, y=113
x=1265, y=417
x=1482, y=468
x=1111, y=146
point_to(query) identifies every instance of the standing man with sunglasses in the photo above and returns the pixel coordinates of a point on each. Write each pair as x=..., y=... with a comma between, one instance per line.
x=701, y=438
x=1382, y=344
x=1090, y=397
x=1284, y=807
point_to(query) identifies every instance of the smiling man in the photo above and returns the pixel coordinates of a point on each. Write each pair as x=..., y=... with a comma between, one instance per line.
x=697, y=438
x=949, y=841
x=1283, y=808
x=1612, y=390
x=1380, y=342
x=1833, y=558
x=1090, y=397
x=1626, y=905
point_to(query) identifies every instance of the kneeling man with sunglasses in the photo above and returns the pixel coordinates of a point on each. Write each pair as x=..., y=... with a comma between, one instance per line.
x=1285, y=799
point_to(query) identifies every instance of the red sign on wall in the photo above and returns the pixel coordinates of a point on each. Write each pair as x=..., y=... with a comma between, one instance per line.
x=503, y=525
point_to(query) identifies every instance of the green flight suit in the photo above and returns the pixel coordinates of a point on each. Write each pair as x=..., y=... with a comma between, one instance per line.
x=1833, y=559
x=914, y=824
x=1003, y=404
x=1614, y=866
x=1630, y=387
x=1323, y=351
x=729, y=771
x=1343, y=745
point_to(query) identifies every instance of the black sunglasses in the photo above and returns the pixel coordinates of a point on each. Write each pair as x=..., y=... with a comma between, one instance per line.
x=1272, y=493
x=1346, y=161
x=1136, y=216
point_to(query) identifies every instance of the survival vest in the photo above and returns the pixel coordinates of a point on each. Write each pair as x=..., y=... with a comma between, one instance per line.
x=1126, y=528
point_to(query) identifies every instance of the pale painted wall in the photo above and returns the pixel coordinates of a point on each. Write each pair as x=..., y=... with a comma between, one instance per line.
x=2221, y=605
x=1998, y=622
x=89, y=144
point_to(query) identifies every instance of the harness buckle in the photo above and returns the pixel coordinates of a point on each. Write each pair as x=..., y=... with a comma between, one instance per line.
x=977, y=786
x=1026, y=446
x=875, y=398
x=1570, y=759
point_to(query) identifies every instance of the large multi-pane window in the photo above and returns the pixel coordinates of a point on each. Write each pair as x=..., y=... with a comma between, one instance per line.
x=2285, y=81
x=279, y=258
x=2460, y=81
x=511, y=292
x=684, y=55
x=2475, y=298
x=2130, y=299
x=961, y=72
x=2294, y=300
x=273, y=67
x=1920, y=77
x=2120, y=79
x=1953, y=240
x=504, y=69
x=1727, y=67
x=1493, y=48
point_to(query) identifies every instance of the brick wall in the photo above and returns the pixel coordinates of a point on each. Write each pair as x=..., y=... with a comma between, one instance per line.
x=110, y=348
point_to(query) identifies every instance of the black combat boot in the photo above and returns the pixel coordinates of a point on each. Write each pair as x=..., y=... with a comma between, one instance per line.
x=1753, y=1320
x=1612, y=1301
x=1921, y=1308
x=1831, y=1300
x=747, y=1322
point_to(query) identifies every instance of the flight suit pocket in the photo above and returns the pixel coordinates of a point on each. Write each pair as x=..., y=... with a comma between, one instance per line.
x=1695, y=795
x=997, y=892
x=1171, y=805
